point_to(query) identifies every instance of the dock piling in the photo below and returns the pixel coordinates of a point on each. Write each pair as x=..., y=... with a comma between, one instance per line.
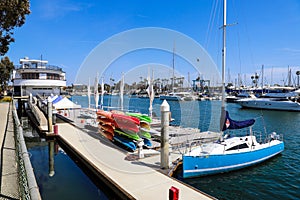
x=51, y=158
x=164, y=154
x=49, y=106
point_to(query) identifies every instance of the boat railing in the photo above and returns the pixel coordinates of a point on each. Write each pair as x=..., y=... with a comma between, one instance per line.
x=189, y=145
x=47, y=67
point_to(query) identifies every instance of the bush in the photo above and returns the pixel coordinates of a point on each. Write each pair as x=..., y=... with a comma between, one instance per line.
x=5, y=99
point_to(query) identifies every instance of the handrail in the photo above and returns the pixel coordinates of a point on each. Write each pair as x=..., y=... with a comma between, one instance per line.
x=31, y=181
x=47, y=67
x=34, y=108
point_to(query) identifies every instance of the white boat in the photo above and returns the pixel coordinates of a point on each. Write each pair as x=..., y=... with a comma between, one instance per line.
x=276, y=98
x=229, y=153
x=178, y=96
x=37, y=77
x=170, y=97
x=242, y=95
x=283, y=104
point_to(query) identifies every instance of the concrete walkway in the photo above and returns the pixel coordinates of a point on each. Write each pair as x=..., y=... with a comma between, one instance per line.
x=9, y=172
x=140, y=179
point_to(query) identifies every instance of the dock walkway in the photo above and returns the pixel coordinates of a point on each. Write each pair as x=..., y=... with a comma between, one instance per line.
x=9, y=172
x=134, y=178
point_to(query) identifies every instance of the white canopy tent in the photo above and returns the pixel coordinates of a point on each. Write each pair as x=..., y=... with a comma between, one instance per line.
x=65, y=103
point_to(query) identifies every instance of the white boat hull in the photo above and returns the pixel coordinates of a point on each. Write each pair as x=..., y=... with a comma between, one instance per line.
x=269, y=104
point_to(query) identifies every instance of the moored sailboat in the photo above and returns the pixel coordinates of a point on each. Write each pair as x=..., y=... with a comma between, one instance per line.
x=230, y=153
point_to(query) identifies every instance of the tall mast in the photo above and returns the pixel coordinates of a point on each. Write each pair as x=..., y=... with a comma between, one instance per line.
x=122, y=91
x=222, y=119
x=102, y=93
x=262, y=79
x=89, y=94
x=96, y=92
x=173, y=65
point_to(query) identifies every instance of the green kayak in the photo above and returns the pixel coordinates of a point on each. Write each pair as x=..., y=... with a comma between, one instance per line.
x=133, y=136
x=144, y=134
x=140, y=116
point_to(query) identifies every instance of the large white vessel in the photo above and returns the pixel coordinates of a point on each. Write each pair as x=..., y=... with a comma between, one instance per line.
x=37, y=77
x=280, y=98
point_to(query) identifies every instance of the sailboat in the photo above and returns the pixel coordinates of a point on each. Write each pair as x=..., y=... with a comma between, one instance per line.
x=229, y=153
x=172, y=96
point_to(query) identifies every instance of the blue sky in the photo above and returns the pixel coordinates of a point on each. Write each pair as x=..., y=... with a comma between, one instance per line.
x=64, y=32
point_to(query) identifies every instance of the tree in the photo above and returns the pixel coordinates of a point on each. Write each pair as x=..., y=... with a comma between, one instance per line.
x=12, y=14
x=6, y=67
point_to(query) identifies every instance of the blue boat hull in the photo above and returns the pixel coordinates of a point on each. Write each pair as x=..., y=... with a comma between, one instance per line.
x=194, y=166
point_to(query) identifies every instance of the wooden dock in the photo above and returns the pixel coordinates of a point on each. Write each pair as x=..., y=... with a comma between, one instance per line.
x=128, y=176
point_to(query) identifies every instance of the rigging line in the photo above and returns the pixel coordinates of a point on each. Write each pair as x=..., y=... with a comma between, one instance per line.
x=263, y=121
x=211, y=22
x=238, y=38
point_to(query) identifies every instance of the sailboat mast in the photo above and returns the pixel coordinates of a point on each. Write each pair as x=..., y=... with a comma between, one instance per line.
x=224, y=55
x=102, y=92
x=223, y=113
x=89, y=94
x=173, y=65
x=122, y=91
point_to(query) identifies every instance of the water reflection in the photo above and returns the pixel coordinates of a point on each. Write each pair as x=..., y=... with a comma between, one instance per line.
x=57, y=175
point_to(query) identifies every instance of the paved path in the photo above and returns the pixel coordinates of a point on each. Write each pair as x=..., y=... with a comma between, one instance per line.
x=141, y=179
x=9, y=171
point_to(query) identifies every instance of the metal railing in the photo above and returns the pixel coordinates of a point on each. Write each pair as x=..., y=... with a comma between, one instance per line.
x=47, y=67
x=28, y=185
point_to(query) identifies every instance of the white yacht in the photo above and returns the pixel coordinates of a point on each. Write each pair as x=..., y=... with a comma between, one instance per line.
x=284, y=99
x=270, y=104
x=178, y=96
x=37, y=77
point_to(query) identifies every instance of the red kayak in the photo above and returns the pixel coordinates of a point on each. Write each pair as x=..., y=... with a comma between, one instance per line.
x=107, y=128
x=104, y=120
x=107, y=135
x=104, y=114
x=120, y=118
x=127, y=127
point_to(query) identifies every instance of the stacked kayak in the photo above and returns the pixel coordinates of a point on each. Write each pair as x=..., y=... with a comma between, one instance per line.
x=106, y=124
x=125, y=129
x=145, y=121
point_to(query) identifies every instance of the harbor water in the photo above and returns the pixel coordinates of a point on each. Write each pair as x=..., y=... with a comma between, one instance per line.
x=277, y=178
x=69, y=180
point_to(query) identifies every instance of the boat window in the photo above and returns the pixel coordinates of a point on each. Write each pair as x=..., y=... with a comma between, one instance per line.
x=240, y=146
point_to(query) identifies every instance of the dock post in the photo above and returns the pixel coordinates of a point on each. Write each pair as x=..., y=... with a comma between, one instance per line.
x=164, y=154
x=30, y=98
x=51, y=158
x=140, y=148
x=49, y=112
x=19, y=107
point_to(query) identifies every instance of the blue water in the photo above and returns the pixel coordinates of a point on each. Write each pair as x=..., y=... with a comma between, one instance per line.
x=277, y=178
x=68, y=182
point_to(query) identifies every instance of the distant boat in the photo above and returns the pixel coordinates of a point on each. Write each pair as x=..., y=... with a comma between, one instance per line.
x=242, y=95
x=178, y=96
x=229, y=153
x=170, y=97
x=274, y=99
x=281, y=104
